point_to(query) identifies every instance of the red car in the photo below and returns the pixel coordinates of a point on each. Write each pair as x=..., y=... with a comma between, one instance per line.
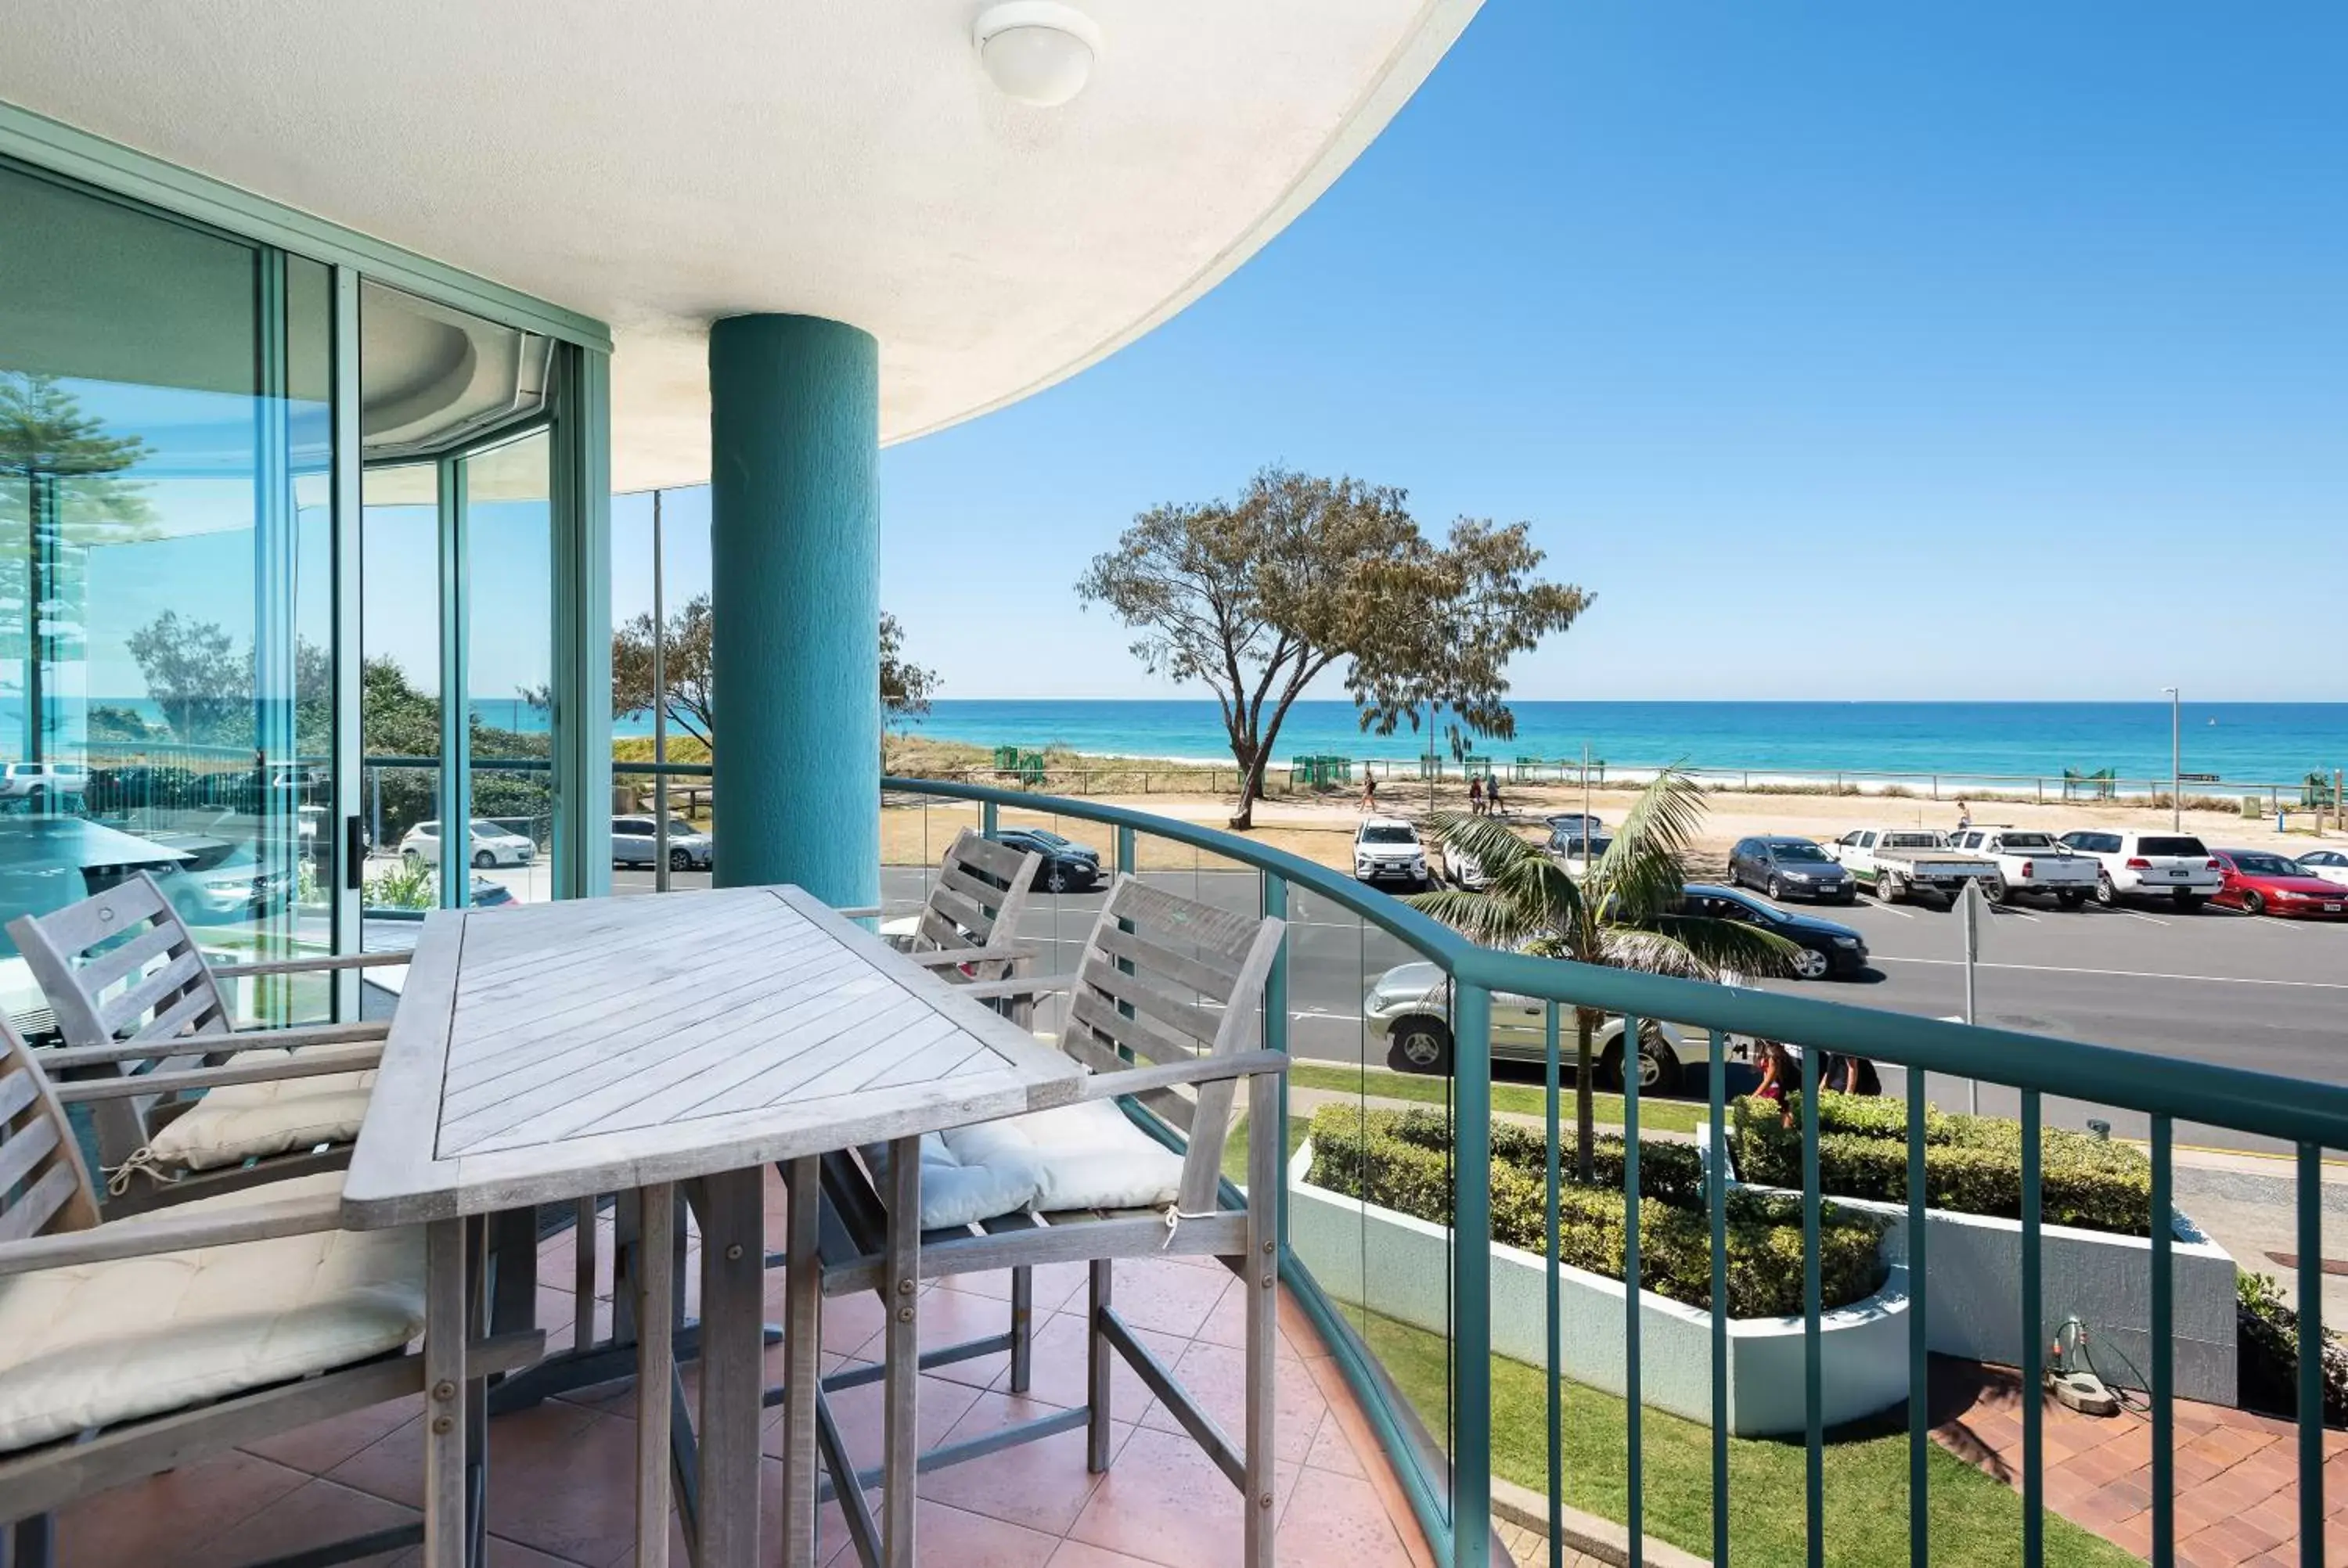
x=2261, y=882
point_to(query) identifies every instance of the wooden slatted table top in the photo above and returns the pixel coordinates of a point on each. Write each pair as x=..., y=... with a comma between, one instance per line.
x=556, y=1051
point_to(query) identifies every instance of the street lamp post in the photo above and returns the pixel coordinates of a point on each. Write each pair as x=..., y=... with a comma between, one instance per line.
x=2176, y=765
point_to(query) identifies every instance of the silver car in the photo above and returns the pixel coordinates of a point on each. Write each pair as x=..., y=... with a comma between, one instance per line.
x=1409, y=1008
x=635, y=842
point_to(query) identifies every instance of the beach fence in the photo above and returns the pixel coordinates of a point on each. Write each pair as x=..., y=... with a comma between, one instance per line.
x=2317, y=797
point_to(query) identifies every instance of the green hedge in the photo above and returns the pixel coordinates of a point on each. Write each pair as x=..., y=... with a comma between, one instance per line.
x=1973, y=1165
x=1402, y=1161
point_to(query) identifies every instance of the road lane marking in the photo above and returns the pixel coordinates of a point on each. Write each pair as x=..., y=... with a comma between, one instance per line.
x=2133, y=915
x=1903, y=914
x=2125, y=974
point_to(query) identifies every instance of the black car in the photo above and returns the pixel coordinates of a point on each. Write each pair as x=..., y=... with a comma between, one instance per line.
x=1829, y=951
x=1790, y=868
x=1068, y=867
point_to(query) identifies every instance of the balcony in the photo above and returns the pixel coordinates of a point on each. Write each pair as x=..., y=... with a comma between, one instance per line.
x=1460, y=1380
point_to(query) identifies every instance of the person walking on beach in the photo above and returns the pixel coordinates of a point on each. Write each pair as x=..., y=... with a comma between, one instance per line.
x=1369, y=793
x=1964, y=815
x=1492, y=797
x=1476, y=795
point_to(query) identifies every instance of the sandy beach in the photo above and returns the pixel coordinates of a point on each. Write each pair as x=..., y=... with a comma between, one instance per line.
x=1320, y=827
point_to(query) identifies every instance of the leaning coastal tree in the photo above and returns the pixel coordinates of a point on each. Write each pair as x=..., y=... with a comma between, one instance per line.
x=687, y=669
x=1627, y=912
x=1256, y=597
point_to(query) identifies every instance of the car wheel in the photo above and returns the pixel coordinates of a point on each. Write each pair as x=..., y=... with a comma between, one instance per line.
x=1777, y=888
x=1809, y=964
x=1055, y=878
x=1658, y=1068
x=2071, y=900
x=1995, y=889
x=1888, y=889
x=411, y=856
x=680, y=860
x=483, y=860
x=2254, y=903
x=2188, y=902
x=2106, y=894
x=1420, y=1045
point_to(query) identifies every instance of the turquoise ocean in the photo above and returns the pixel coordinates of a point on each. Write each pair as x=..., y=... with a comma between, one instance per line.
x=2242, y=743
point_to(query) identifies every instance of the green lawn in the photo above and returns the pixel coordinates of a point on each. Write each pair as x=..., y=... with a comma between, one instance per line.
x=1655, y=1115
x=1976, y=1521
x=1235, y=1149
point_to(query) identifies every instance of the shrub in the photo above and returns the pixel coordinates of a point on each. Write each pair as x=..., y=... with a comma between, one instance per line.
x=1402, y=1161
x=2267, y=1333
x=1973, y=1165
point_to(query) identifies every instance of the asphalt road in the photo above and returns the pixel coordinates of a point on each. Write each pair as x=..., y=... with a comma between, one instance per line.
x=2212, y=986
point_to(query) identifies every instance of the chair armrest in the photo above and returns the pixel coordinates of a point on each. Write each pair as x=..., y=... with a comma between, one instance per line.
x=173, y=1230
x=314, y=1063
x=1017, y=986
x=946, y=958
x=308, y=966
x=1199, y=1069
x=294, y=1038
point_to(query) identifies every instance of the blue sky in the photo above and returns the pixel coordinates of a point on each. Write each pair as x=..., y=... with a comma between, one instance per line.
x=1844, y=350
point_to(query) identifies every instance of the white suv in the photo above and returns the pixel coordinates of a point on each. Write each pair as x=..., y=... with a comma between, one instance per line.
x=1387, y=849
x=2150, y=865
x=37, y=780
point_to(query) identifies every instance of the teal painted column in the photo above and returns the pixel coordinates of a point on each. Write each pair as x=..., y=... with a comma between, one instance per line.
x=794, y=540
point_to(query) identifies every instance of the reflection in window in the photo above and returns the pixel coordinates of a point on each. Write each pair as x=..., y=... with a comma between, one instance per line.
x=165, y=585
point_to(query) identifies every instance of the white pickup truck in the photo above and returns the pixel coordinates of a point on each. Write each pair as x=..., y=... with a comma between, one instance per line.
x=2029, y=861
x=1893, y=862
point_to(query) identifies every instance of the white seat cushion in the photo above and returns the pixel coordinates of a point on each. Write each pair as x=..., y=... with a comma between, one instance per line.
x=1087, y=1155
x=254, y=1121
x=971, y=1175
x=91, y=1345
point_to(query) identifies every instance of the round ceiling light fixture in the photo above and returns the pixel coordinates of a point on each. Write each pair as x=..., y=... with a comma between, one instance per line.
x=1037, y=51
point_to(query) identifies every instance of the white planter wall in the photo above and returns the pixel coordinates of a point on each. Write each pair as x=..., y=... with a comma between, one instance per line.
x=1399, y=1265
x=1973, y=1292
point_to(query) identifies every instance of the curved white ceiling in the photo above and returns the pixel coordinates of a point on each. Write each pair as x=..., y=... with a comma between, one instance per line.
x=660, y=167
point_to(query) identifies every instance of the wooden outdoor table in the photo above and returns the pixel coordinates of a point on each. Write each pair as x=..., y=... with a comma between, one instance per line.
x=555, y=1051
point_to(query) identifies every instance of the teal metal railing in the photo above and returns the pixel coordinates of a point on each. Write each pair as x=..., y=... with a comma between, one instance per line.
x=1441, y=1433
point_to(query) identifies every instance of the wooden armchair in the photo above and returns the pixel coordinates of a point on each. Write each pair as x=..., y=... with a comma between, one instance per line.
x=199, y=1107
x=975, y=903
x=142, y=1345
x=1164, y=1009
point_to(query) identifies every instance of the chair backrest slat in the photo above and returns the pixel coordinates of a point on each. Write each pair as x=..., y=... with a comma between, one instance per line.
x=43, y=1186
x=1202, y=972
x=177, y=979
x=79, y=952
x=91, y=960
x=1171, y=1029
x=999, y=861
x=980, y=889
x=1128, y=1036
x=1147, y=946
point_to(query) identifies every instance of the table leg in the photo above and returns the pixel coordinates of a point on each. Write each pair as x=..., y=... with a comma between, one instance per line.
x=446, y=1325
x=802, y=1373
x=902, y=1362
x=655, y=1364
x=733, y=1275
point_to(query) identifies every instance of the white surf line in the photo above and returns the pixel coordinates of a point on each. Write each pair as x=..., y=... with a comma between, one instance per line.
x=2125, y=974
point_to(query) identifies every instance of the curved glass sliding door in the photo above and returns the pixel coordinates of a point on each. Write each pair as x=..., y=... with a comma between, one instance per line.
x=166, y=576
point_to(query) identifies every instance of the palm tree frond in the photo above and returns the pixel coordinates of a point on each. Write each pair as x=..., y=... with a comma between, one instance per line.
x=1491, y=919
x=1642, y=872
x=1728, y=947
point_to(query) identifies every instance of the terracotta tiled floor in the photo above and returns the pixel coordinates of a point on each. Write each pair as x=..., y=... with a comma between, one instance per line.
x=2236, y=1473
x=559, y=1477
